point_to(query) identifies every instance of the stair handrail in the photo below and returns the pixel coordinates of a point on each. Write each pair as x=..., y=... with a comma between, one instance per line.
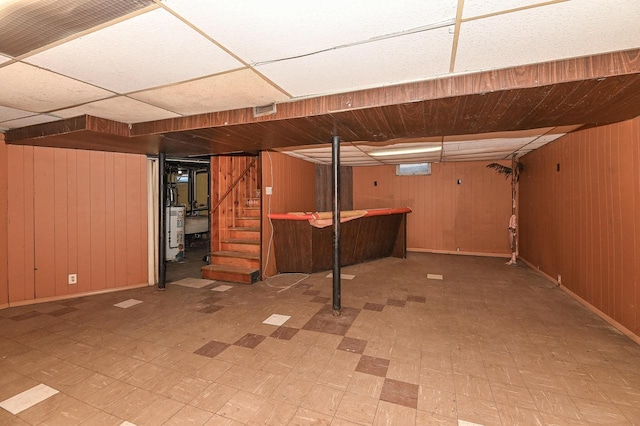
x=234, y=184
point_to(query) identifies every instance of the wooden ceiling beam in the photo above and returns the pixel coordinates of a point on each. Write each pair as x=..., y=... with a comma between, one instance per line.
x=536, y=75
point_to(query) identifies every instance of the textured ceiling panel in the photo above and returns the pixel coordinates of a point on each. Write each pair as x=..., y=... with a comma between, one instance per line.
x=30, y=24
x=29, y=88
x=12, y=113
x=28, y=121
x=121, y=109
x=562, y=30
x=474, y=8
x=149, y=50
x=407, y=58
x=488, y=146
x=265, y=31
x=239, y=89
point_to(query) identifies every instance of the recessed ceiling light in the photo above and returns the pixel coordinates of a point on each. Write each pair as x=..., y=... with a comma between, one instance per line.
x=404, y=151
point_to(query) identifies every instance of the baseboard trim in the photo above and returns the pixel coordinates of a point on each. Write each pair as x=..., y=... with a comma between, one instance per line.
x=621, y=328
x=463, y=253
x=70, y=296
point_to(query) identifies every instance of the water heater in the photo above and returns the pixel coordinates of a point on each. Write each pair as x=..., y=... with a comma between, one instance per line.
x=175, y=233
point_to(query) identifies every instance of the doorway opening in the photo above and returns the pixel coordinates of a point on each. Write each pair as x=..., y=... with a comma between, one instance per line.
x=187, y=233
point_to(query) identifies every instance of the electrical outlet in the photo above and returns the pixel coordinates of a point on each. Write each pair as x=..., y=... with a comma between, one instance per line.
x=268, y=190
x=73, y=279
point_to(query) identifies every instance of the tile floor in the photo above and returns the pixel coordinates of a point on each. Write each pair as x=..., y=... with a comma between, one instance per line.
x=488, y=344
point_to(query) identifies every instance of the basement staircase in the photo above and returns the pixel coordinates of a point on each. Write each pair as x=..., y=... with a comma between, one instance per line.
x=235, y=257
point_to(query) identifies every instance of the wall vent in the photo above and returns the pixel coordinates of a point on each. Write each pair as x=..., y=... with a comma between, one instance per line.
x=261, y=111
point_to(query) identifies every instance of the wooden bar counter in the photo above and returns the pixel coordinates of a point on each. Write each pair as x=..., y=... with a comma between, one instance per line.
x=303, y=241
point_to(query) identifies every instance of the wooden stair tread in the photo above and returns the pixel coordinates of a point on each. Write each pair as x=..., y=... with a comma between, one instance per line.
x=238, y=254
x=234, y=274
x=228, y=268
x=240, y=241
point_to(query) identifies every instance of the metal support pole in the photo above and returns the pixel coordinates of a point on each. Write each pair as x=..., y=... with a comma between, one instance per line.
x=162, y=216
x=335, y=163
x=191, y=185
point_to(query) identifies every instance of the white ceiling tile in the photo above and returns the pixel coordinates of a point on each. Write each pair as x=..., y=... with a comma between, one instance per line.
x=488, y=146
x=484, y=145
x=561, y=30
x=264, y=31
x=28, y=121
x=391, y=61
x=239, y=89
x=543, y=140
x=121, y=109
x=479, y=157
x=29, y=88
x=485, y=7
x=149, y=50
x=7, y=114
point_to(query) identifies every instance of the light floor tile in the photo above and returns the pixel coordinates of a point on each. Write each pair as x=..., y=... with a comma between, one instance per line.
x=343, y=276
x=223, y=287
x=193, y=282
x=128, y=303
x=276, y=319
x=28, y=398
x=466, y=423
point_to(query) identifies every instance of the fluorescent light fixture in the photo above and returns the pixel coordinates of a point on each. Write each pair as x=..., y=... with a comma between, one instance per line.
x=404, y=151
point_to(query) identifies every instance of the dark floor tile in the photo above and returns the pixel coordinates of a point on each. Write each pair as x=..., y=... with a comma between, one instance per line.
x=419, y=299
x=250, y=340
x=396, y=302
x=210, y=309
x=400, y=393
x=320, y=299
x=372, y=365
x=304, y=286
x=325, y=322
x=373, y=307
x=26, y=316
x=73, y=302
x=62, y=311
x=212, y=349
x=349, y=344
x=211, y=300
x=312, y=292
x=284, y=333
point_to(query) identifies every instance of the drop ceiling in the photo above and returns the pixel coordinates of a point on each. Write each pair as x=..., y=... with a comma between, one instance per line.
x=182, y=76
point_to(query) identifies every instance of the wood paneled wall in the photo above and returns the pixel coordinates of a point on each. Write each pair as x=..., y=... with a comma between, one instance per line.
x=73, y=211
x=4, y=286
x=324, y=188
x=293, y=183
x=472, y=216
x=583, y=221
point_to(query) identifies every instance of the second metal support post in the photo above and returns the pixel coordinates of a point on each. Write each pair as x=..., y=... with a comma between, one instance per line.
x=162, y=200
x=335, y=164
